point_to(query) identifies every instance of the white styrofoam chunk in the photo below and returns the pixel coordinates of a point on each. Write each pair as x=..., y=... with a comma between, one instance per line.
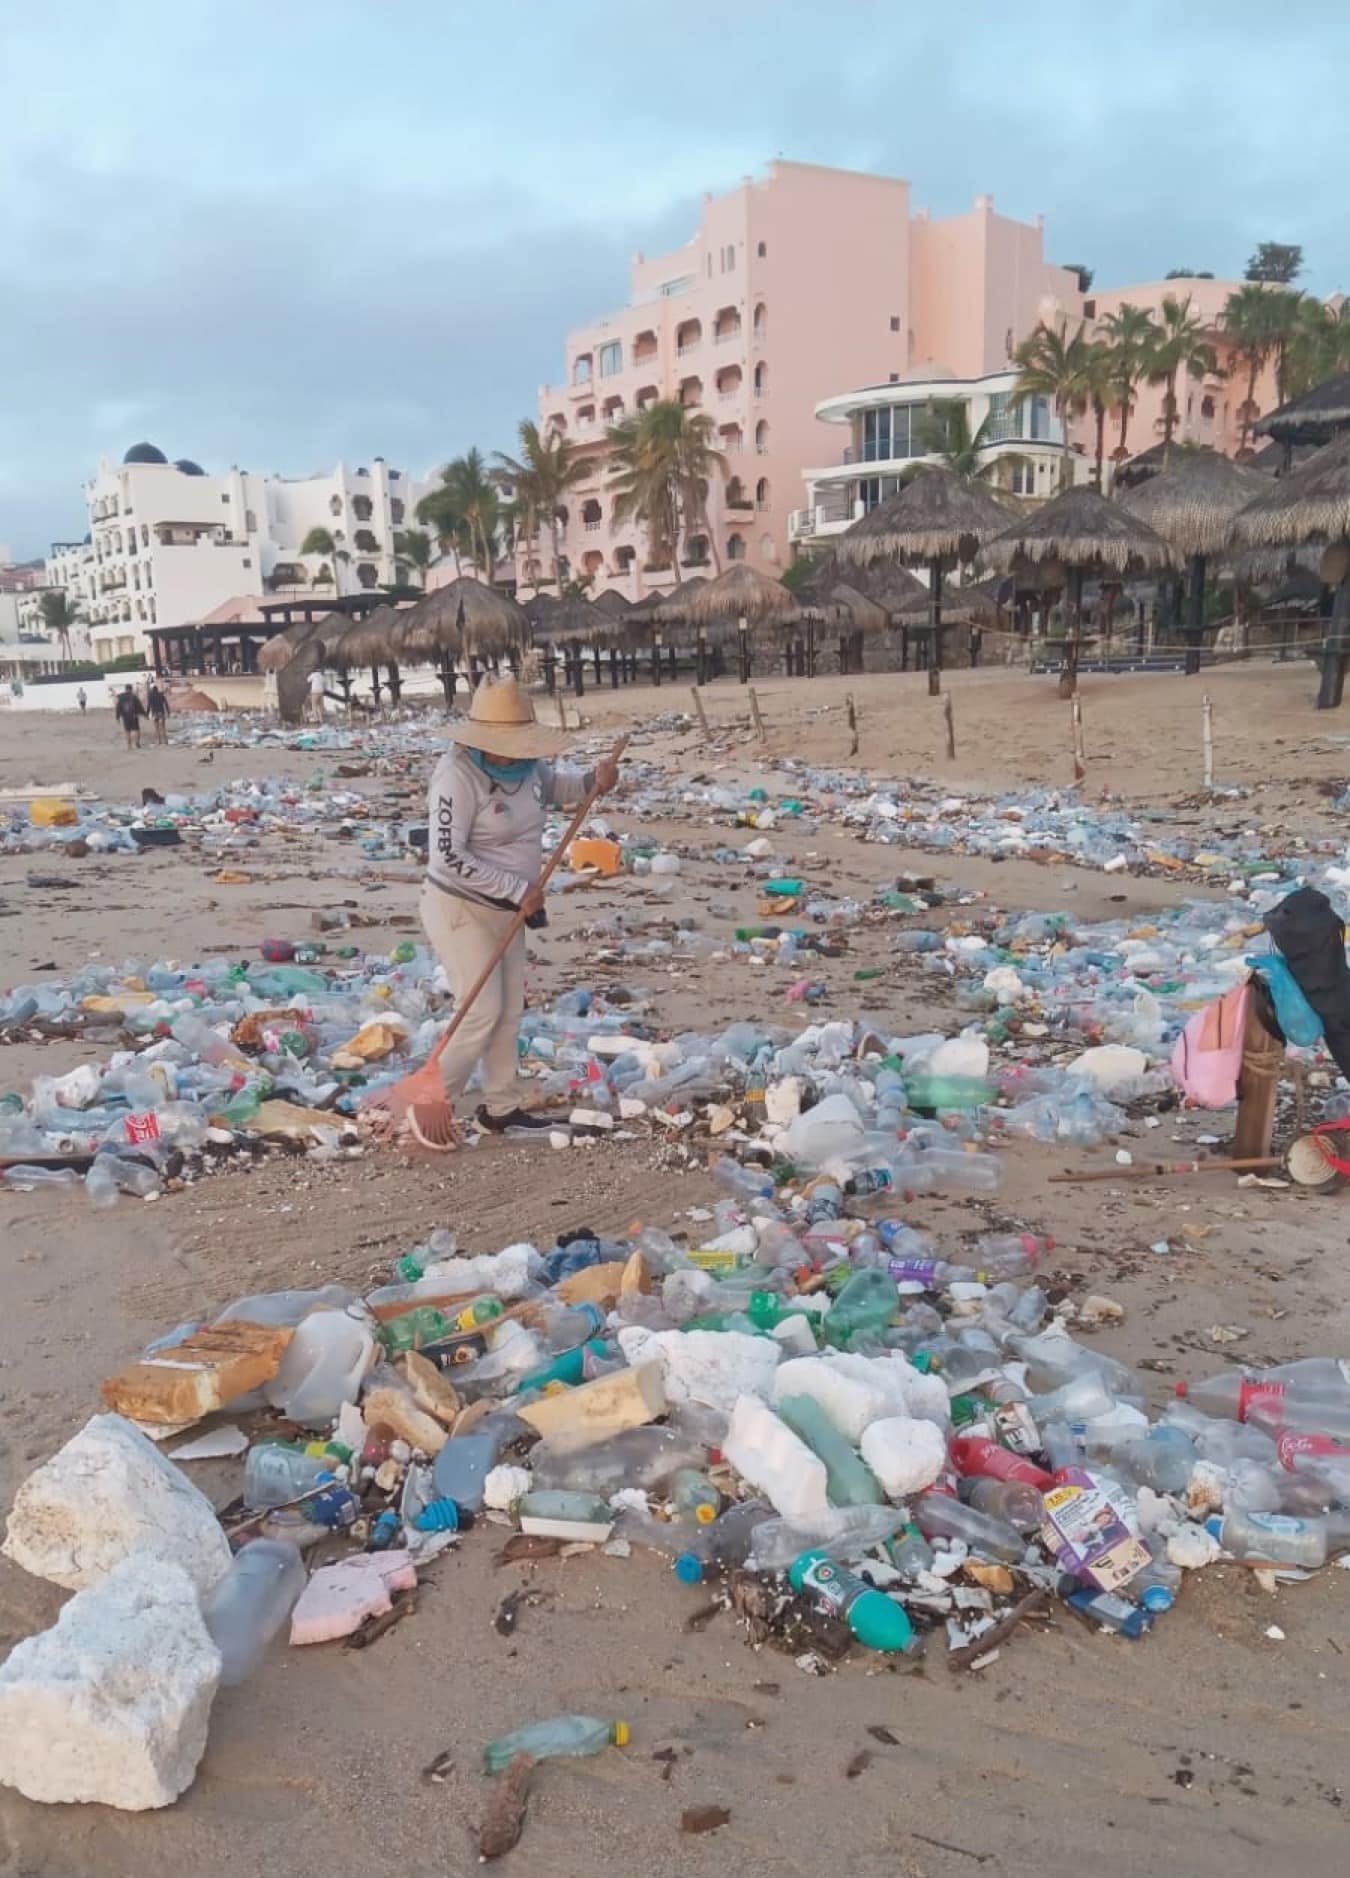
x=111, y=1705
x=776, y=1462
x=710, y=1366
x=106, y=1494
x=850, y=1401
x=905, y=1455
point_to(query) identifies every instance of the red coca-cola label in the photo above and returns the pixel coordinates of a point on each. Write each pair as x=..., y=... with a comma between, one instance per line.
x=1290, y=1446
x=139, y=1128
x=1265, y=1395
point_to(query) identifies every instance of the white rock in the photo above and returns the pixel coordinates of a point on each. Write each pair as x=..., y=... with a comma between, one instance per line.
x=1192, y=1547
x=714, y=1367
x=111, y=1705
x=766, y=1453
x=107, y=1493
x=906, y=1456
x=504, y=1486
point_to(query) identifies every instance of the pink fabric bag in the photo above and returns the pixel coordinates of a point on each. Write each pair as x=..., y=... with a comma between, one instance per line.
x=1207, y=1057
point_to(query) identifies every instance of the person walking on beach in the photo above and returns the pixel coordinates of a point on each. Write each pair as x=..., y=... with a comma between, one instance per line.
x=317, y=687
x=489, y=798
x=129, y=711
x=82, y=699
x=159, y=712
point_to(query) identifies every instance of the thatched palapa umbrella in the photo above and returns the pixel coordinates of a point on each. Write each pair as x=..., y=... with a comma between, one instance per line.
x=1081, y=532
x=368, y=641
x=1312, y=504
x=1192, y=506
x=936, y=519
x=276, y=653
x=1316, y=417
x=465, y=619
x=737, y=600
x=614, y=603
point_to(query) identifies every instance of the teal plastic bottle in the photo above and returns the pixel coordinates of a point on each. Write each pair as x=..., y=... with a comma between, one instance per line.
x=865, y=1306
x=874, y=1619
x=849, y=1481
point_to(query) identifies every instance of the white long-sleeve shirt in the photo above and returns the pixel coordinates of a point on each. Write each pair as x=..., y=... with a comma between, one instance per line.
x=485, y=840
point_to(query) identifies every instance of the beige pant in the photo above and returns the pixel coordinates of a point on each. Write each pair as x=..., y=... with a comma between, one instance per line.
x=463, y=936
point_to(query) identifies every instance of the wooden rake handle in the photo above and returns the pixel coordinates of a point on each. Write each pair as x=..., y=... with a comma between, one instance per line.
x=588, y=802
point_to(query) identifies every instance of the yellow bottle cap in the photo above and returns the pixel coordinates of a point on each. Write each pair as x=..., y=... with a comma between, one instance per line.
x=704, y=1515
x=619, y=1734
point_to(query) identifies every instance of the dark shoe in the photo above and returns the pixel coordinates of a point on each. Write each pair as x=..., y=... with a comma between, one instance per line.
x=516, y=1122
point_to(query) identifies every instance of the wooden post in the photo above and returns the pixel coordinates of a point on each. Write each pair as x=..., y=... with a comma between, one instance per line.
x=562, y=712
x=697, y=696
x=935, y=622
x=951, y=727
x=1079, y=752
x=1258, y=1085
x=1207, y=734
x=852, y=723
x=755, y=717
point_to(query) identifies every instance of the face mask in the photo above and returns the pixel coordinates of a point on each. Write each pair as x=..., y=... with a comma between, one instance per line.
x=513, y=772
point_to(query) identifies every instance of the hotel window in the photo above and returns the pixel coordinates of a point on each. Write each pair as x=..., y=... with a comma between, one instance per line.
x=729, y=258
x=1023, y=481
x=581, y=370
x=611, y=358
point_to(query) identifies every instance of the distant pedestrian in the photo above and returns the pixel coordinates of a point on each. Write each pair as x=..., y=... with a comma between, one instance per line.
x=159, y=713
x=317, y=687
x=129, y=711
x=82, y=699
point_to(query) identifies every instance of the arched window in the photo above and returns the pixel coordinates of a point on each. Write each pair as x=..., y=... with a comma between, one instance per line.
x=581, y=369
x=365, y=541
x=591, y=515
x=335, y=505
x=363, y=508
x=688, y=335
x=366, y=573
x=623, y=560
x=736, y=498
x=1206, y=406
x=695, y=551
x=762, y=438
x=761, y=321
x=761, y=379
x=761, y=249
x=762, y=493
x=691, y=392
x=647, y=395
x=735, y=547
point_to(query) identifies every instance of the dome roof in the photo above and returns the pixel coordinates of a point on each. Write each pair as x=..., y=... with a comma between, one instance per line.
x=188, y=467
x=144, y=453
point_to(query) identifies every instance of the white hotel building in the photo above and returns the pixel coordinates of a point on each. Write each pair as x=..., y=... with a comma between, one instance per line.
x=168, y=543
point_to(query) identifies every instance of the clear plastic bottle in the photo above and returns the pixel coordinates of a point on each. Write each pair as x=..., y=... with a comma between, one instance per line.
x=1272, y=1539
x=275, y=1474
x=26, y=1179
x=1311, y=1394
x=251, y=1603
x=100, y=1184
x=938, y=1515
x=843, y=1532
x=910, y=1552
x=694, y=1496
x=1009, y=1254
x=1016, y=1502
x=637, y=1457
x=572, y=1735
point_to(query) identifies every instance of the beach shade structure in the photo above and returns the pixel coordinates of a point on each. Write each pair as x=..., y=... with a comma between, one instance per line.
x=537, y=610
x=368, y=641
x=466, y=620
x=612, y=602
x=937, y=521
x=1312, y=505
x=1080, y=533
x=1192, y=505
x=1315, y=417
x=731, y=606
x=276, y=653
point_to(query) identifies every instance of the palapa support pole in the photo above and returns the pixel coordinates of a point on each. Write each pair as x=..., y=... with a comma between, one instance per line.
x=1195, y=612
x=1336, y=650
x=697, y=696
x=562, y=711
x=743, y=647
x=935, y=621
x=852, y=723
x=1258, y=1086
x=755, y=717
x=951, y=727
x=1207, y=738
x=1079, y=753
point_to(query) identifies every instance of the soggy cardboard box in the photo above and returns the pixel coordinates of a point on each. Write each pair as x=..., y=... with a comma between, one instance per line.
x=201, y=1374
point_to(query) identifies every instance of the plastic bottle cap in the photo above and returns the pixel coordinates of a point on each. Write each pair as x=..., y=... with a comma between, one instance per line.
x=705, y=1514
x=1157, y=1598
x=689, y=1570
x=618, y=1734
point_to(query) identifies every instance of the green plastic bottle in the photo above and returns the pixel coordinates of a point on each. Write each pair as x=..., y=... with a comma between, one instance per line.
x=849, y=1481
x=412, y=1330
x=560, y=1734
x=409, y=1268
x=403, y=953
x=694, y=1495
x=874, y=1619
x=865, y=1306
x=569, y=1367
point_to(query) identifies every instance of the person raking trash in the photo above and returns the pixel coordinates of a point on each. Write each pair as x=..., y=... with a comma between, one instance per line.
x=489, y=798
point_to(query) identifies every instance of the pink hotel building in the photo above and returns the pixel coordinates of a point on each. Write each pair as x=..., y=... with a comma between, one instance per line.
x=794, y=289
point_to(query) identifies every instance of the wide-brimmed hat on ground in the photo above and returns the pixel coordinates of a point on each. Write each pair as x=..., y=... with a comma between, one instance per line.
x=501, y=721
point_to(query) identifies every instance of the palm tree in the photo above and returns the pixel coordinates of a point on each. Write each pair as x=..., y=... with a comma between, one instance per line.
x=440, y=512
x=1249, y=326
x=547, y=467
x=479, y=505
x=1317, y=348
x=413, y=545
x=944, y=433
x=1128, y=334
x=1051, y=365
x=323, y=541
x=1100, y=378
x=1179, y=345
x=59, y=614
x=662, y=460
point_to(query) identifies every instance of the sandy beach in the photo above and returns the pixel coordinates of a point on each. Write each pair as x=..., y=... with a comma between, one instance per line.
x=1208, y=1748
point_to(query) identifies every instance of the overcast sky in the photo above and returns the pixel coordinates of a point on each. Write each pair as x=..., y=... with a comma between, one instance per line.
x=278, y=233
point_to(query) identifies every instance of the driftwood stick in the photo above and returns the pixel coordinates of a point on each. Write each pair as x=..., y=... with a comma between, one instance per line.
x=999, y=1632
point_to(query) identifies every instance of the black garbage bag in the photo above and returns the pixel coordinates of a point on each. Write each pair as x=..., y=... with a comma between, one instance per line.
x=1310, y=934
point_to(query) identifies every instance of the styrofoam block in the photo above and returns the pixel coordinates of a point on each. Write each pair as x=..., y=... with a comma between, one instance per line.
x=850, y=1401
x=905, y=1455
x=709, y=1366
x=777, y=1463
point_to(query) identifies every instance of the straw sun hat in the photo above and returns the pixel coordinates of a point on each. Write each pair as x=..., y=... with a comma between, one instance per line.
x=501, y=721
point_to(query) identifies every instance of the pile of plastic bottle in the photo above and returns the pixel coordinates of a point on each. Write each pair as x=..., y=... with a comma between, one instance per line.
x=821, y=1390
